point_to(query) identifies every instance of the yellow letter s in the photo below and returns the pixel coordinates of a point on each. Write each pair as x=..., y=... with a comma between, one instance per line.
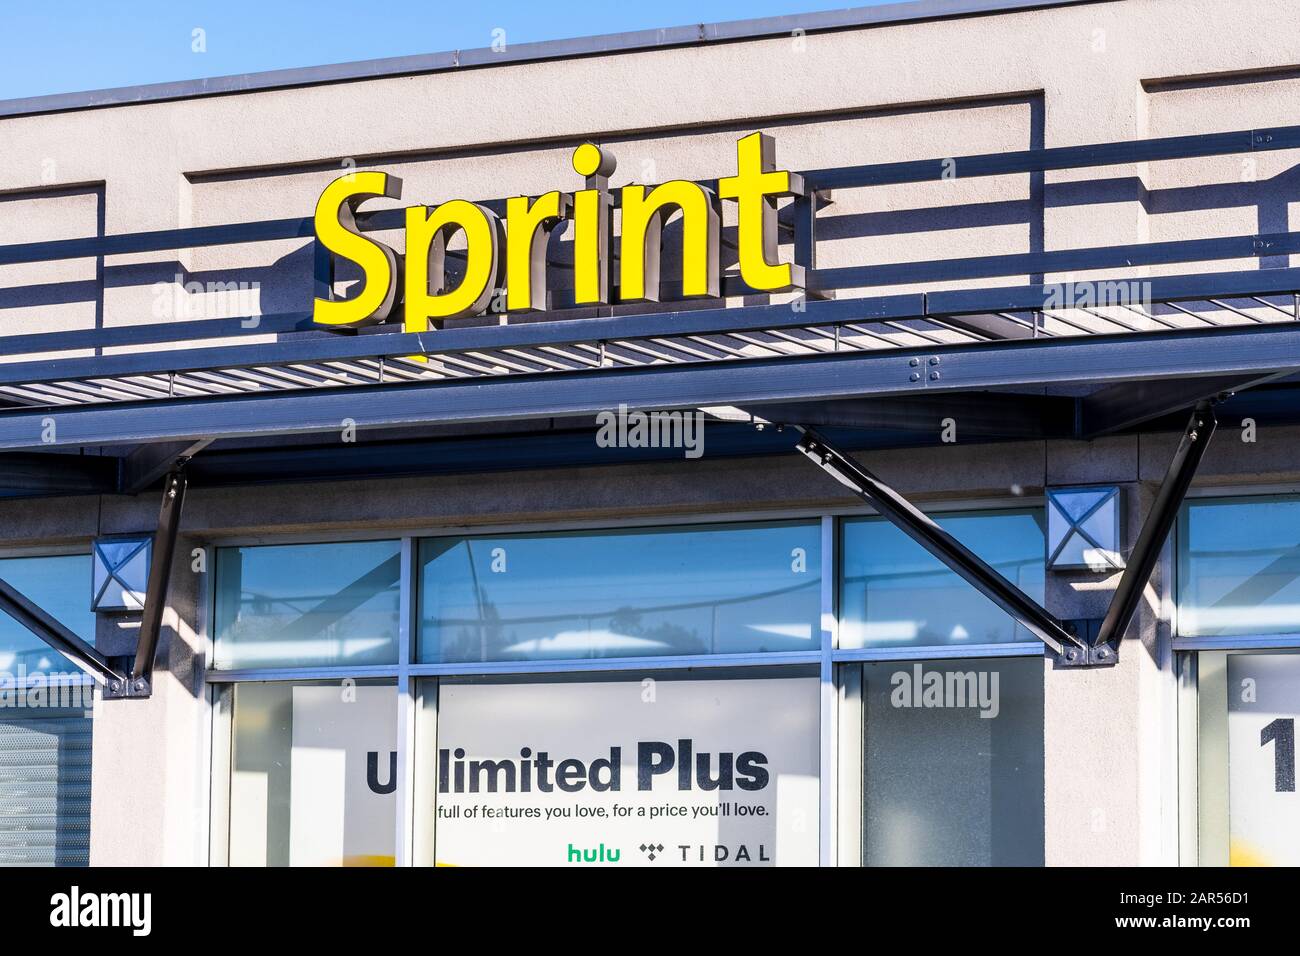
x=336, y=230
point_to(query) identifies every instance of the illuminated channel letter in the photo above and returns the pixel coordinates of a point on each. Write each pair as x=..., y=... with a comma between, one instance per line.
x=755, y=187
x=528, y=229
x=593, y=243
x=336, y=230
x=427, y=232
x=643, y=221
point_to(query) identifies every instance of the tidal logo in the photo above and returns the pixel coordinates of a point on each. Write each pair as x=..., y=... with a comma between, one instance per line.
x=73, y=909
x=741, y=853
x=652, y=850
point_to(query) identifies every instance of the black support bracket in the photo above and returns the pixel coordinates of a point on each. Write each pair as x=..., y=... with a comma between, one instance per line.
x=1093, y=654
x=128, y=687
x=138, y=682
x=1078, y=643
x=1155, y=530
x=924, y=531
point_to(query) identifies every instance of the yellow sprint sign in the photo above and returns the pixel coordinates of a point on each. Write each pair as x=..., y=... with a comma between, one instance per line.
x=517, y=246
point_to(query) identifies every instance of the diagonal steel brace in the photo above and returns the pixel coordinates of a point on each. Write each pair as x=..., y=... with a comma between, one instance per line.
x=922, y=529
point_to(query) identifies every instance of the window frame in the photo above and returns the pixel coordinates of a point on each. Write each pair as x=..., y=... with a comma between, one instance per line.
x=410, y=676
x=1260, y=641
x=1186, y=665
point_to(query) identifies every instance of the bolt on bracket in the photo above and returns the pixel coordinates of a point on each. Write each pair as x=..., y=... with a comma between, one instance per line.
x=127, y=687
x=1091, y=654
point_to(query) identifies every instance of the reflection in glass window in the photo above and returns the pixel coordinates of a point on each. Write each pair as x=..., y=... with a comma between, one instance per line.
x=1239, y=567
x=313, y=774
x=953, y=763
x=60, y=584
x=45, y=733
x=710, y=589
x=1246, y=802
x=308, y=605
x=895, y=594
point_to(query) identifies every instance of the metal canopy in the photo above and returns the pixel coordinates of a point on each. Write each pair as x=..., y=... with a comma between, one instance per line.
x=1251, y=352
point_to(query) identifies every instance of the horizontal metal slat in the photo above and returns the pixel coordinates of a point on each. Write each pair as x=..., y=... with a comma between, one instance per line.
x=450, y=341
x=847, y=177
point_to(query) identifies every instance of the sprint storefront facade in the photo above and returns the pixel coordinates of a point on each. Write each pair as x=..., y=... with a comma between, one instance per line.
x=775, y=443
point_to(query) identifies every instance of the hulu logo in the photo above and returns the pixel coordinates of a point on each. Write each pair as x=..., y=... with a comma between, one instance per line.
x=600, y=854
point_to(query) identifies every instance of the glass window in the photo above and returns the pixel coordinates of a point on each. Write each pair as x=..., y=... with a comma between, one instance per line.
x=952, y=763
x=60, y=584
x=1247, y=805
x=1239, y=567
x=675, y=769
x=313, y=774
x=710, y=589
x=895, y=594
x=45, y=763
x=45, y=730
x=308, y=605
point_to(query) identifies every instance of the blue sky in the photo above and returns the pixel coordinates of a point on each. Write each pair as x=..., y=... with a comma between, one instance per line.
x=61, y=46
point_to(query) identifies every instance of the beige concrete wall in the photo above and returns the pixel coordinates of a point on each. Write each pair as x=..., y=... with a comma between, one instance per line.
x=1089, y=73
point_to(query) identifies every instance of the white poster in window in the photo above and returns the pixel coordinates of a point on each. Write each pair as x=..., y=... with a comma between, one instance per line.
x=343, y=793
x=628, y=773
x=1263, y=806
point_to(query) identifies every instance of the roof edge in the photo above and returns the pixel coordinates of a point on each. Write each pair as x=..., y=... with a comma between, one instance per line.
x=611, y=43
